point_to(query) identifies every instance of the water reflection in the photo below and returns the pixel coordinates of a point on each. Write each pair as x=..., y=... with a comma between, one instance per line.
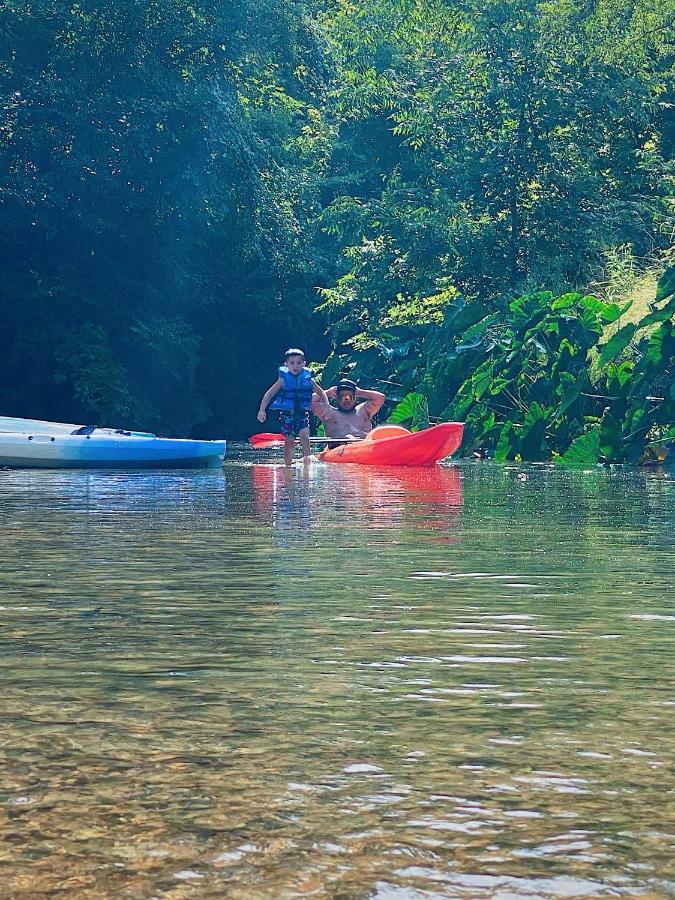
x=285, y=497
x=336, y=681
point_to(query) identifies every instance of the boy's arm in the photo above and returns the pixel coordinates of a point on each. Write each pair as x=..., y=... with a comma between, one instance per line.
x=267, y=396
x=374, y=399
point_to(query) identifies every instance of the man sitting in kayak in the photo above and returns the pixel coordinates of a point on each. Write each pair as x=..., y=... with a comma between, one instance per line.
x=348, y=420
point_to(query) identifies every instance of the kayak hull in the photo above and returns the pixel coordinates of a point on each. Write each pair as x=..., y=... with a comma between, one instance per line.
x=395, y=446
x=55, y=450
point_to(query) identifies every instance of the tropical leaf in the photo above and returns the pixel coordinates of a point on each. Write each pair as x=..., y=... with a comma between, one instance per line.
x=570, y=394
x=465, y=346
x=412, y=410
x=525, y=309
x=616, y=344
x=608, y=312
x=658, y=315
x=480, y=382
x=505, y=448
x=400, y=350
x=331, y=371
x=655, y=345
x=666, y=285
x=621, y=372
x=613, y=311
x=611, y=440
x=533, y=433
x=566, y=301
x=584, y=450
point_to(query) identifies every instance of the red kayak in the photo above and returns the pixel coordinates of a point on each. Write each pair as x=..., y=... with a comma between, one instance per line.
x=393, y=445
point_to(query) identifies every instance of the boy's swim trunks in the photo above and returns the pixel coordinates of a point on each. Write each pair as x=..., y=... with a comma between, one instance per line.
x=292, y=423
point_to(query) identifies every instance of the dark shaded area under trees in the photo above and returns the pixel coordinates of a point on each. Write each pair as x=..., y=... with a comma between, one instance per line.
x=153, y=227
x=177, y=181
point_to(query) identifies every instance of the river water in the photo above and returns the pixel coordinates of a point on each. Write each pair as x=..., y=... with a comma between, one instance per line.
x=337, y=681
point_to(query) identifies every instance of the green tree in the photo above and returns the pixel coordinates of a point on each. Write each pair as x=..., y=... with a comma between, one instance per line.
x=155, y=202
x=524, y=140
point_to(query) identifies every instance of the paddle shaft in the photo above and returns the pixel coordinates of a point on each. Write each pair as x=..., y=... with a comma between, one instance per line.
x=317, y=440
x=271, y=440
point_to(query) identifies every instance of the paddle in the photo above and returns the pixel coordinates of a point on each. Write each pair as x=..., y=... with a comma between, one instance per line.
x=268, y=439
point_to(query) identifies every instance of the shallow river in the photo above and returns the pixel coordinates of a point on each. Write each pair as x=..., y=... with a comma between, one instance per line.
x=337, y=682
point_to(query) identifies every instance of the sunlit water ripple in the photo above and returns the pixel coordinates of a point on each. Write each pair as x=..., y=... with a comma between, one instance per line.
x=337, y=682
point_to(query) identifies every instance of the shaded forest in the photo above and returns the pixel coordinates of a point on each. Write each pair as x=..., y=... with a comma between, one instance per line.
x=188, y=188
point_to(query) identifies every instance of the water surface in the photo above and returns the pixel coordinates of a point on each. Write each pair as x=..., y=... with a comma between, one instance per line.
x=337, y=681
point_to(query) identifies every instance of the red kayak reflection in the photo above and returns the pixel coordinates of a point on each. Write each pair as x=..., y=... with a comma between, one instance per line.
x=379, y=497
x=392, y=495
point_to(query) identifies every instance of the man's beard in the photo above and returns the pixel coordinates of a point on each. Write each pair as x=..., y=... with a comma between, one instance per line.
x=342, y=409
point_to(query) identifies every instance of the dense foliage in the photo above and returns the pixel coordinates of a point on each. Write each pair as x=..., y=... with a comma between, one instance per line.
x=541, y=380
x=177, y=179
x=156, y=193
x=516, y=145
x=511, y=144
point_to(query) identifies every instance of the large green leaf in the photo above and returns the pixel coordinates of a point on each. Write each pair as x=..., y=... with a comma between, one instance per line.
x=526, y=309
x=608, y=312
x=658, y=315
x=533, y=433
x=611, y=441
x=465, y=346
x=584, y=450
x=566, y=301
x=480, y=382
x=616, y=344
x=655, y=345
x=613, y=311
x=505, y=448
x=570, y=393
x=412, y=410
x=332, y=369
x=666, y=285
x=620, y=373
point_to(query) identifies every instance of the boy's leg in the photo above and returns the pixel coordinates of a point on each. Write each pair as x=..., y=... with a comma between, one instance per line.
x=304, y=442
x=288, y=431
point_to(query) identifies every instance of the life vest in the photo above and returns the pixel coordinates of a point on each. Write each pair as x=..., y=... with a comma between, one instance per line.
x=296, y=394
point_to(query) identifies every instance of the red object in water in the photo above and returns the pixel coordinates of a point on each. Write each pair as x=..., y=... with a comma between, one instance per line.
x=393, y=445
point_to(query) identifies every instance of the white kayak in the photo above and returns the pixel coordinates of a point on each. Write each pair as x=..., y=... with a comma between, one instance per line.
x=30, y=426
x=31, y=443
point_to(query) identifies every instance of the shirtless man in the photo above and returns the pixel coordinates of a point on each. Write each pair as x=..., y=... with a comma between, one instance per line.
x=348, y=420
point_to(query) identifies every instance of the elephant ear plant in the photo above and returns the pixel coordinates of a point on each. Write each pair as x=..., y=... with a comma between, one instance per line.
x=538, y=381
x=640, y=380
x=531, y=395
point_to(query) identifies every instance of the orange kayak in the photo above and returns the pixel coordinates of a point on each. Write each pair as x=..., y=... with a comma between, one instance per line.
x=393, y=445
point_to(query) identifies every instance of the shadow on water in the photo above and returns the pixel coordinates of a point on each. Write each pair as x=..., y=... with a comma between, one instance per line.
x=337, y=681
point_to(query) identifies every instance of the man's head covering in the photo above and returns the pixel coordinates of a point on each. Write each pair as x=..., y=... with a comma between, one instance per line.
x=344, y=384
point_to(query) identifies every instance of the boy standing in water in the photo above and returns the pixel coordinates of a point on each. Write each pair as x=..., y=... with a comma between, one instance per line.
x=292, y=393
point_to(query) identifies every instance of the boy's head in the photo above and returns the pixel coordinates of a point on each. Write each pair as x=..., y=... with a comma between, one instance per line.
x=294, y=360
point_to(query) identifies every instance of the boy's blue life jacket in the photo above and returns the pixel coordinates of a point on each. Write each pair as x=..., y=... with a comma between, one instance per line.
x=296, y=394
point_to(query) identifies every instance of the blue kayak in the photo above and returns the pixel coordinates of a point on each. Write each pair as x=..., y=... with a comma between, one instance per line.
x=34, y=444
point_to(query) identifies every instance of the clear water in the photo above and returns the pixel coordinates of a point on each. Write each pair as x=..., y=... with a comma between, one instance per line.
x=337, y=682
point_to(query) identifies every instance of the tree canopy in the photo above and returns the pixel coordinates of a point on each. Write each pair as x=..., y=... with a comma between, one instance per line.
x=186, y=188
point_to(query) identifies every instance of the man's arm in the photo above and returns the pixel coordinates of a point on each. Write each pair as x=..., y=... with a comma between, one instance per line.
x=374, y=400
x=320, y=408
x=320, y=393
